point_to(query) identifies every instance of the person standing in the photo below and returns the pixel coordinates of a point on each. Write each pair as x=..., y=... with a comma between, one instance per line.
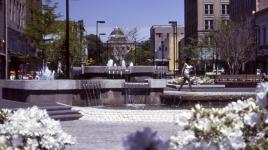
x=187, y=68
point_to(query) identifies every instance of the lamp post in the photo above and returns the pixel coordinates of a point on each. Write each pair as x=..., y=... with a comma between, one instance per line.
x=6, y=41
x=135, y=52
x=97, y=36
x=101, y=34
x=67, y=42
x=174, y=26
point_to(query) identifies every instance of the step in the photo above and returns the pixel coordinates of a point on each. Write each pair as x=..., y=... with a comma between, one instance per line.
x=52, y=108
x=62, y=112
x=66, y=117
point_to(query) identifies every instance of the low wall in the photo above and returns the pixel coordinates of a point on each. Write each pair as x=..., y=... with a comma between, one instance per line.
x=207, y=99
x=72, y=92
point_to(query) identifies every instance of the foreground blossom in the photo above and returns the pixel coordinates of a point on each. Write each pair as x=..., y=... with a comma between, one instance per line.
x=32, y=128
x=239, y=125
x=145, y=140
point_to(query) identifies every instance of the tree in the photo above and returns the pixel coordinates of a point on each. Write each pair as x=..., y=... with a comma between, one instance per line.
x=144, y=54
x=234, y=43
x=41, y=24
x=133, y=36
x=56, y=51
x=91, y=41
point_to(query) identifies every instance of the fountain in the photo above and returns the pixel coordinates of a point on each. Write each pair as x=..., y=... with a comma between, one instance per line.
x=46, y=74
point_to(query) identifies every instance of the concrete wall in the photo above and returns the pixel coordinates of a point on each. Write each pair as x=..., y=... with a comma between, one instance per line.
x=71, y=92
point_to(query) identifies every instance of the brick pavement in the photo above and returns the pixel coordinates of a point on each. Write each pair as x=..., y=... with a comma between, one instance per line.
x=109, y=136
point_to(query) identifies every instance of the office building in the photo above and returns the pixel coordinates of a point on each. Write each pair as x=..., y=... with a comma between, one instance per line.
x=162, y=43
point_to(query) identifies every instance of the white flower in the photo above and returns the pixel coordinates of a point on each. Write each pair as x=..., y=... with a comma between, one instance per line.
x=200, y=146
x=3, y=140
x=33, y=125
x=203, y=124
x=182, y=118
x=183, y=138
x=252, y=119
x=261, y=98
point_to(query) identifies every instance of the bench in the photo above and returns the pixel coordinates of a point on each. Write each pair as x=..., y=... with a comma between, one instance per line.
x=245, y=80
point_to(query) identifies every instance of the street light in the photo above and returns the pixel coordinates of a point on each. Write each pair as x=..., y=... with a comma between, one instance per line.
x=97, y=36
x=67, y=42
x=6, y=41
x=174, y=26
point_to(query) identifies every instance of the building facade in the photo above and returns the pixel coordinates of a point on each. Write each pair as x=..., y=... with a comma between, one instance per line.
x=261, y=22
x=242, y=9
x=201, y=18
x=162, y=42
x=17, y=15
x=204, y=16
x=119, y=45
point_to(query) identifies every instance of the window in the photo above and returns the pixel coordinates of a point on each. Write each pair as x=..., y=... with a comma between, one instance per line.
x=1, y=5
x=259, y=36
x=264, y=35
x=225, y=9
x=208, y=9
x=209, y=24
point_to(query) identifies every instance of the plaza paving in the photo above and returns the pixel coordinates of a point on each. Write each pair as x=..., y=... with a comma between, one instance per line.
x=110, y=136
x=105, y=129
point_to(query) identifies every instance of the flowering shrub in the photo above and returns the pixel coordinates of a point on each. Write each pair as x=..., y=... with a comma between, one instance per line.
x=31, y=129
x=239, y=125
x=145, y=140
x=195, y=80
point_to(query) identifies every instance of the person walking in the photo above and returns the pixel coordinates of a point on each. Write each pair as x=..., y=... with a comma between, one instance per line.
x=187, y=68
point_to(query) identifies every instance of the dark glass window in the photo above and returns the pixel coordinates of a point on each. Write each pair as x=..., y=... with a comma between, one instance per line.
x=264, y=35
x=208, y=9
x=1, y=5
x=225, y=8
x=209, y=24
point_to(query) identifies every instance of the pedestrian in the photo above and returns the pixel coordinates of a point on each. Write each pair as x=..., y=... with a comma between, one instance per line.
x=20, y=73
x=187, y=68
x=12, y=74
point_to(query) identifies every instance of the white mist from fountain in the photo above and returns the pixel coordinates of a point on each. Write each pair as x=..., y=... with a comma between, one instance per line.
x=45, y=74
x=110, y=63
x=123, y=63
x=131, y=64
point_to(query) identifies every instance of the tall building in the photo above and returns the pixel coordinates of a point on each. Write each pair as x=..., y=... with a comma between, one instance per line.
x=203, y=16
x=242, y=9
x=261, y=24
x=162, y=42
x=17, y=16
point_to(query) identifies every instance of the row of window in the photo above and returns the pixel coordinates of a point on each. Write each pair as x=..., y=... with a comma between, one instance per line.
x=262, y=36
x=17, y=13
x=1, y=5
x=209, y=24
x=209, y=9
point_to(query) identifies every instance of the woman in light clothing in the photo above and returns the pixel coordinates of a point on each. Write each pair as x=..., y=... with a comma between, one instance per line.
x=186, y=73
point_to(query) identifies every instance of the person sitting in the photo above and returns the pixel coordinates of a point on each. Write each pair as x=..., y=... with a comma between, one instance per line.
x=187, y=68
x=20, y=74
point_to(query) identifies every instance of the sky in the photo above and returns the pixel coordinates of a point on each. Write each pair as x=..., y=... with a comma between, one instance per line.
x=126, y=14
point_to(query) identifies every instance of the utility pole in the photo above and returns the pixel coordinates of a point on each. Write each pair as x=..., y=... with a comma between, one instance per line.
x=174, y=25
x=6, y=41
x=67, y=42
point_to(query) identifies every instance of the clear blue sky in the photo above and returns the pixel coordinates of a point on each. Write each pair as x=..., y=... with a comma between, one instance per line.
x=125, y=14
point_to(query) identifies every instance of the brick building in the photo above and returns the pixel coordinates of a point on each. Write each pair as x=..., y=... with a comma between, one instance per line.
x=201, y=18
x=17, y=17
x=242, y=9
